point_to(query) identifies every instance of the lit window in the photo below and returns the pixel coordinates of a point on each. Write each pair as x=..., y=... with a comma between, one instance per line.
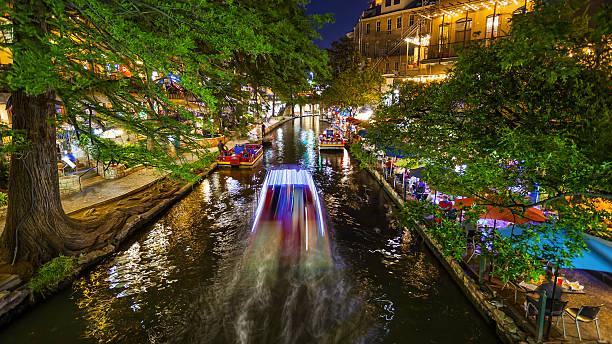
x=463, y=29
x=388, y=24
x=492, y=26
x=411, y=20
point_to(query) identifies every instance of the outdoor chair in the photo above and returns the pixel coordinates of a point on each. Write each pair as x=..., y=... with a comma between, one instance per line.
x=553, y=309
x=584, y=314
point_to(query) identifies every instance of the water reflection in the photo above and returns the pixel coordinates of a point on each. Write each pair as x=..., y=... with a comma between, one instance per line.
x=180, y=280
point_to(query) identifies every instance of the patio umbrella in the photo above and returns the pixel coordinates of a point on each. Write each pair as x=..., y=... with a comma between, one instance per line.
x=597, y=258
x=498, y=213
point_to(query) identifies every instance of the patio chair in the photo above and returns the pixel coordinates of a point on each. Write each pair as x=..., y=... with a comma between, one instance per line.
x=553, y=309
x=584, y=314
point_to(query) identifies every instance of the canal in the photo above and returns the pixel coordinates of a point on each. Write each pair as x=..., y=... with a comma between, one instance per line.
x=179, y=281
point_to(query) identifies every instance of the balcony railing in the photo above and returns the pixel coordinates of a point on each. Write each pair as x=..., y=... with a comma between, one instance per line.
x=449, y=50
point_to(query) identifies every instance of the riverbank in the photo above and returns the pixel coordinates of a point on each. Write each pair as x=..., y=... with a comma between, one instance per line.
x=135, y=200
x=509, y=320
x=506, y=328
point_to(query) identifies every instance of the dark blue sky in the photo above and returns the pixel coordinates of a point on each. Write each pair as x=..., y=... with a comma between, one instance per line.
x=346, y=13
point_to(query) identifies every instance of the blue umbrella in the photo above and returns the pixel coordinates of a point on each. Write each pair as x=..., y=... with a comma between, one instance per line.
x=362, y=133
x=598, y=257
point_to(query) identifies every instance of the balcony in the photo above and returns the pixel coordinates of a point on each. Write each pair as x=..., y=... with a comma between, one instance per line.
x=448, y=52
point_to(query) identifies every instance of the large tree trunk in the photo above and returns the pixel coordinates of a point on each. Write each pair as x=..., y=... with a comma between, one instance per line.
x=36, y=225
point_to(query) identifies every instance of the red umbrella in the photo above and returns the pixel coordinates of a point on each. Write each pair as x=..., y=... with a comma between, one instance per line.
x=498, y=213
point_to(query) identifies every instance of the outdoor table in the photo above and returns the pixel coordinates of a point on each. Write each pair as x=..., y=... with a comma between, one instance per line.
x=529, y=287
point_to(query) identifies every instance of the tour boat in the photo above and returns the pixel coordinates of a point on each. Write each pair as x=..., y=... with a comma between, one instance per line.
x=289, y=226
x=331, y=139
x=244, y=156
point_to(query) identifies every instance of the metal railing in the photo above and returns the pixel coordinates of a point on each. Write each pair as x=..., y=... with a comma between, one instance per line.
x=448, y=50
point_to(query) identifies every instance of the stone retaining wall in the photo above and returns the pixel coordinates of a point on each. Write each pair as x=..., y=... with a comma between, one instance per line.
x=506, y=328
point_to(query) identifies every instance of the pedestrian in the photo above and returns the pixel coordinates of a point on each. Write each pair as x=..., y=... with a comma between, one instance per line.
x=263, y=130
x=388, y=166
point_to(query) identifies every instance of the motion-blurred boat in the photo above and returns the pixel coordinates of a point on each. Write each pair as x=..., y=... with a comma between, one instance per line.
x=289, y=227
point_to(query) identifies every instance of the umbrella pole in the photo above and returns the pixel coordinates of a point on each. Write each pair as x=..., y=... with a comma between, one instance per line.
x=552, y=301
x=492, y=241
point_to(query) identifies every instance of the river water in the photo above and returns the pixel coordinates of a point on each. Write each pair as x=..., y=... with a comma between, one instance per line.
x=182, y=279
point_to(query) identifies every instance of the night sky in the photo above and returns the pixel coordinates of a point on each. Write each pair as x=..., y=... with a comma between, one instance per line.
x=346, y=13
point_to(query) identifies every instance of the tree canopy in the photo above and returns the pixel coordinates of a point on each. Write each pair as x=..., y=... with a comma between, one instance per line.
x=117, y=64
x=528, y=112
x=353, y=82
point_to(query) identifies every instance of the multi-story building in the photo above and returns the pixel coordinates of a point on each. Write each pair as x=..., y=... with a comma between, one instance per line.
x=414, y=40
x=383, y=30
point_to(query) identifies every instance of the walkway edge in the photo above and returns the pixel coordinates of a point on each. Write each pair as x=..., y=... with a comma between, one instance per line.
x=22, y=299
x=507, y=329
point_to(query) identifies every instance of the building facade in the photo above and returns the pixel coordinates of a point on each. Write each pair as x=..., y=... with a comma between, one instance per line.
x=418, y=40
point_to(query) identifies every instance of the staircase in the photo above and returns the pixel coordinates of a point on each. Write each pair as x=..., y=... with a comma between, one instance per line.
x=411, y=32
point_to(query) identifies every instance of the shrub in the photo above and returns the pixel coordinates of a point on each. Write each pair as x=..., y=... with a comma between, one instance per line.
x=3, y=199
x=52, y=273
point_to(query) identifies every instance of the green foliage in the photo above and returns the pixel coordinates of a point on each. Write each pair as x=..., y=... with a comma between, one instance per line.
x=353, y=82
x=532, y=110
x=69, y=49
x=52, y=273
x=366, y=158
x=189, y=171
x=3, y=199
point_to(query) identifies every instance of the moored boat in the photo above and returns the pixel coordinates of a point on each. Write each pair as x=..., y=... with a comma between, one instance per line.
x=331, y=139
x=244, y=156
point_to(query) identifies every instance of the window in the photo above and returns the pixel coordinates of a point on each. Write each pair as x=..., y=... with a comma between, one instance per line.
x=411, y=20
x=492, y=26
x=376, y=49
x=396, y=66
x=463, y=30
x=6, y=33
x=399, y=22
x=443, y=35
x=387, y=68
x=367, y=28
x=378, y=26
x=388, y=24
x=396, y=2
x=388, y=3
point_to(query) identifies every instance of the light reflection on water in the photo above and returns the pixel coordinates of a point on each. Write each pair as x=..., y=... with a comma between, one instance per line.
x=171, y=283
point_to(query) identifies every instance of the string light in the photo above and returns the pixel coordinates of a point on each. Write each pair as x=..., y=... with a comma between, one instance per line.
x=476, y=6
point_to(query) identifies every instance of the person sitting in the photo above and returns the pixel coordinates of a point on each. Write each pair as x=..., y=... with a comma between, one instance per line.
x=445, y=204
x=547, y=287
